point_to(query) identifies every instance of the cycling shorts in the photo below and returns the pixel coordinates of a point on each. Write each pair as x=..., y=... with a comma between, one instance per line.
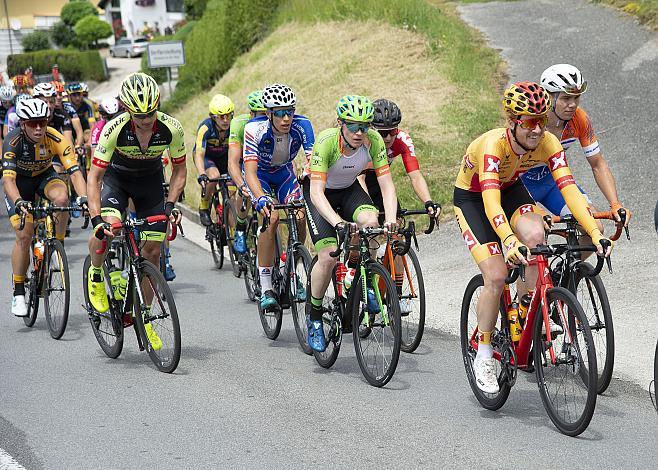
x=545, y=192
x=477, y=231
x=28, y=188
x=282, y=185
x=147, y=194
x=348, y=204
x=376, y=194
x=216, y=161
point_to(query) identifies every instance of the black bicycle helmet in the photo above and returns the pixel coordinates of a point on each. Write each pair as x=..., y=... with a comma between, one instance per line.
x=387, y=114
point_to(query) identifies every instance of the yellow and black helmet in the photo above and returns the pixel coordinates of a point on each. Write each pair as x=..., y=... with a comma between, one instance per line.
x=139, y=93
x=526, y=99
x=220, y=105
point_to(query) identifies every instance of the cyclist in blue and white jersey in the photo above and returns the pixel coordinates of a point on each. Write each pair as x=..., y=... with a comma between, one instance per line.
x=271, y=143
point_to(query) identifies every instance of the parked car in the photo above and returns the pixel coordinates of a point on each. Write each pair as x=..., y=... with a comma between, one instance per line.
x=129, y=47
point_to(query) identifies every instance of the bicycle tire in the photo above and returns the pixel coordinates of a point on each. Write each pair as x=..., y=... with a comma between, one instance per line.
x=333, y=333
x=301, y=256
x=229, y=211
x=32, y=301
x=165, y=359
x=588, y=290
x=413, y=324
x=214, y=235
x=575, y=323
x=467, y=325
x=251, y=275
x=376, y=375
x=107, y=327
x=271, y=320
x=56, y=323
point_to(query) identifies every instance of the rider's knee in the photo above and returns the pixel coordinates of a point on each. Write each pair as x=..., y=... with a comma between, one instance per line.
x=326, y=261
x=533, y=235
x=494, y=278
x=369, y=219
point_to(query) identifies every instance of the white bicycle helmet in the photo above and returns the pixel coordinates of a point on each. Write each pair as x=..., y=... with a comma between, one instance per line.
x=31, y=109
x=563, y=78
x=278, y=95
x=7, y=93
x=109, y=106
x=45, y=90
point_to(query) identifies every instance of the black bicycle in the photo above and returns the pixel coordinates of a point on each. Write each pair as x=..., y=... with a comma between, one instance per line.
x=138, y=295
x=579, y=277
x=49, y=274
x=289, y=281
x=376, y=330
x=221, y=232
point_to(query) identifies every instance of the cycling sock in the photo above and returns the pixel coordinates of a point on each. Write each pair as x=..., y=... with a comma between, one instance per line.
x=485, y=350
x=204, y=205
x=316, y=309
x=399, y=279
x=265, y=277
x=19, y=284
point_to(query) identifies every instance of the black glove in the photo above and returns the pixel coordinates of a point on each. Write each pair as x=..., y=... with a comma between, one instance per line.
x=20, y=204
x=99, y=227
x=82, y=202
x=202, y=179
x=169, y=208
x=435, y=207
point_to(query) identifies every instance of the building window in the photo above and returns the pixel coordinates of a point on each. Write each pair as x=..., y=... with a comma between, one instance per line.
x=45, y=22
x=175, y=6
x=116, y=3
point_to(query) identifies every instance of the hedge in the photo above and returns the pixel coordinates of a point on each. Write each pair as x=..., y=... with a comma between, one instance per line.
x=160, y=74
x=75, y=65
x=227, y=29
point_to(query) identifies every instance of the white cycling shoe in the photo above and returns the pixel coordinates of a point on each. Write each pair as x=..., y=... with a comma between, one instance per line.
x=18, y=307
x=485, y=375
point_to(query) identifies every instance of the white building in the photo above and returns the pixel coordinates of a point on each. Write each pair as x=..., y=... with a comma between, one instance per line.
x=130, y=17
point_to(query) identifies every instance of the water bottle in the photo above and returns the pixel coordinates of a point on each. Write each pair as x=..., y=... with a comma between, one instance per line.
x=341, y=271
x=514, y=325
x=349, y=277
x=123, y=284
x=115, y=281
x=38, y=254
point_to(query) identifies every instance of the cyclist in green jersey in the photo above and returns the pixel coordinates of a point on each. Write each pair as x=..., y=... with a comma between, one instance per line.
x=236, y=167
x=333, y=195
x=127, y=161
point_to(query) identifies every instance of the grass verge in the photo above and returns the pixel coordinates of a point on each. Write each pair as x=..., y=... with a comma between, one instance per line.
x=645, y=10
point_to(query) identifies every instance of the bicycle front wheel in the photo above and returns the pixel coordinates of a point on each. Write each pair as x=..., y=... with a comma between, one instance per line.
x=56, y=288
x=300, y=295
x=592, y=296
x=215, y=233
x=566, y=364
x=412, y=301
x=376, y=324
x=107, y=326
x=158, y=322
x=32, y=297
x=250, y=262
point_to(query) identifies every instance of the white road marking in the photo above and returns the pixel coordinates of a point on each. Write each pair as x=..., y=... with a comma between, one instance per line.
x=7, y=462
x=646, y=53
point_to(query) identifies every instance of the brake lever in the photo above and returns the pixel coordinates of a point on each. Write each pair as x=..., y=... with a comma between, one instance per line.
x=180, y=229
x=524, y=251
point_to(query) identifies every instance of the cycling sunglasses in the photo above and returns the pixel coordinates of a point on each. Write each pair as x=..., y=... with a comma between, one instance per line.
x=386, y=132
x=533, y=122
x=355, y=127
x=144, y=115
x=223, y=117
x=281, y=113
x=34, y=123
x=576, y=90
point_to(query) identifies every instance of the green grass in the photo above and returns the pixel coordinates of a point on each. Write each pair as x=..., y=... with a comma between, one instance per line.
x=645, y=10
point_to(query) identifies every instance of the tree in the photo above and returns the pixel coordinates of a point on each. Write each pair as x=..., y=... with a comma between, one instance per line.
x=194, y=8
x=90, y=29
x=74, y=11
x=36, y=41
x=62, y=34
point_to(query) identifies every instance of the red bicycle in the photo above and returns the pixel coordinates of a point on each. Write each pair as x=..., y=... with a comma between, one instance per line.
x=564, y=362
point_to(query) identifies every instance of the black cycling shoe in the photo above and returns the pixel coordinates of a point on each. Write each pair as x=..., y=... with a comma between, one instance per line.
x=204, y=217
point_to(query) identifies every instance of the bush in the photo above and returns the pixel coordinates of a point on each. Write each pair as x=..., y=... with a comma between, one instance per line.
x=62, y=34
x=74, y=65
x=90, y=29
x=194, y=8
x=160, y=75
x=35, y=41
x=74, y=11
x=227, y=29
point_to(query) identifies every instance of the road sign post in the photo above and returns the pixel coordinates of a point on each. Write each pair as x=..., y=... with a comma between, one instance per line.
x=166, y=54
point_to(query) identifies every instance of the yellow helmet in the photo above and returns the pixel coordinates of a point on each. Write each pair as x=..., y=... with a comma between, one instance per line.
x=526, y=99
x=220, y=104
x=139, y=93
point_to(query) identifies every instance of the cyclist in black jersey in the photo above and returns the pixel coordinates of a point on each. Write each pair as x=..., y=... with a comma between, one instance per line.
x=7, y=94
x=128, y=162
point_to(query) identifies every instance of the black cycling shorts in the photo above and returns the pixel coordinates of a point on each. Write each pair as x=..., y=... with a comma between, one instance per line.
x=376, y=194
x=347, y=202
x=28, y=188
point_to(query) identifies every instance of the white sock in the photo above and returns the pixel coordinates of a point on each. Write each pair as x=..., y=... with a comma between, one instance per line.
x=265, y=277
x=485, y=351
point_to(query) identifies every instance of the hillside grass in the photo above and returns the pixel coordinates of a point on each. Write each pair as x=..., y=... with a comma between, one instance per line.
x=645, y=10
x=417, y=53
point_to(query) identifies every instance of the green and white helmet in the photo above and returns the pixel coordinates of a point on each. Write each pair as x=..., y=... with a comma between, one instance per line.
x=255, y=101
x=355, y=108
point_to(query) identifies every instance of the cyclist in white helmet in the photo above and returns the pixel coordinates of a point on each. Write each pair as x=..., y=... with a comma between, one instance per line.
x=569, y=122
x=7, y=94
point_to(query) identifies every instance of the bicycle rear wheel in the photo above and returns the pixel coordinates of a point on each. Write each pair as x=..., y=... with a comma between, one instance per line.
x=107, y=326
x=231, y=213
x=413, y=297
x=32, y=297
x=376, y=335
x=468, y=339
x=592, y=296
x=331, y=321
x=162, y=317
x=300, y=295
x=56, y=288
x=568, y=384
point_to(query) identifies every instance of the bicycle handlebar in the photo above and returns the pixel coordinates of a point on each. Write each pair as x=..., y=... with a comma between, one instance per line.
x=559, y=249
x=607, y=215
x=130, y=224
x=50, y=209
x=221, y=179
x=405, y=212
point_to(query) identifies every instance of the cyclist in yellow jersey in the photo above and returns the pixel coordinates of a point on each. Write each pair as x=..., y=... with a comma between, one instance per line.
x=492, y=205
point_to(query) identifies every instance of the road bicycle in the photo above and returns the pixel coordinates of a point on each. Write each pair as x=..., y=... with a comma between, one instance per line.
x=572, y=272
x=409, y=282
x=221, y=232
x=138, y=296
x=165, y=252
x=377, y=333
x=564, y=362
x=48, y=276
x=289, y=280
